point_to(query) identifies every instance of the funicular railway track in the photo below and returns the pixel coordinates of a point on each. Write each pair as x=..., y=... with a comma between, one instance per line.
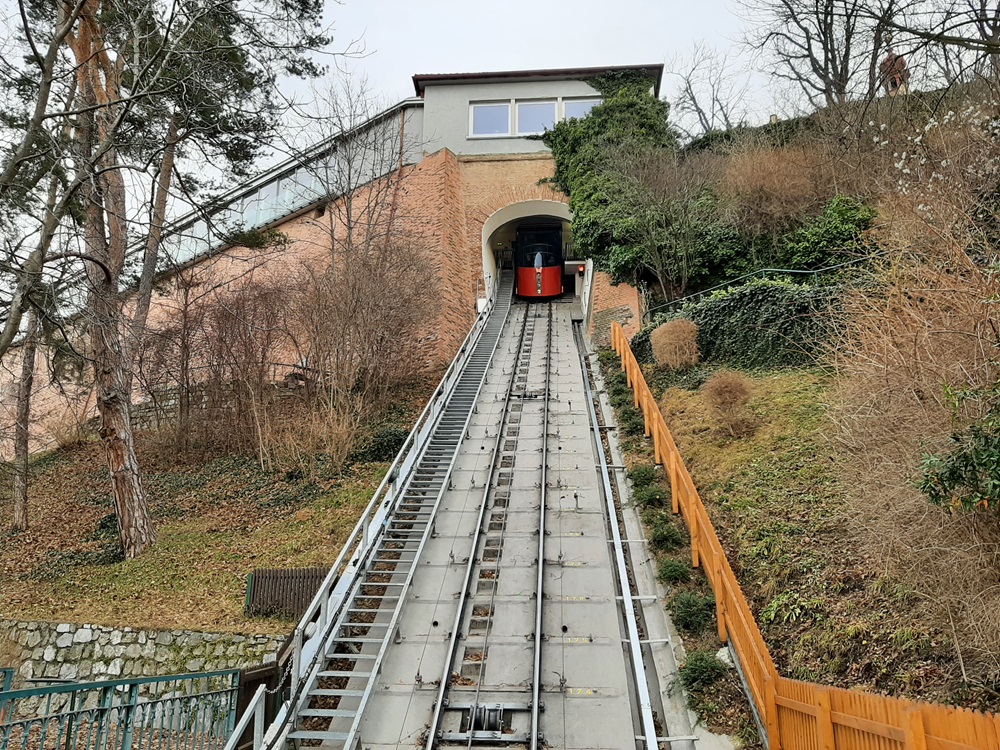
x=497, y=606
x=474, y=708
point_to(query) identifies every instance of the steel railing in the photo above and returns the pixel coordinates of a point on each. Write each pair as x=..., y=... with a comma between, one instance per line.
x=309, y=634
x=177, y=712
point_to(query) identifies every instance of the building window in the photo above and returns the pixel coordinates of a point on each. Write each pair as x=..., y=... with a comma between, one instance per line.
x=535, y=117
x=491, y=119
x=578, y=107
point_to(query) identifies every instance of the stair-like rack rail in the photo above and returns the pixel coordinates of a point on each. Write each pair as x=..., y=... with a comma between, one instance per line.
x=324, y=620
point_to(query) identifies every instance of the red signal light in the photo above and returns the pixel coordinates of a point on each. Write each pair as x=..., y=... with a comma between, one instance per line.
x=580, y=269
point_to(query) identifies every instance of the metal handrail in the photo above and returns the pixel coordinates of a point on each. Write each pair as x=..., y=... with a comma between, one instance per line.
x=172, y=711
x=309, y=634
x=255, y=711
x=10, y=696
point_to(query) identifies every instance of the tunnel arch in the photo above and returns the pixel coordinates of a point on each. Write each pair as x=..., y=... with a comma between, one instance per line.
x=511, y=213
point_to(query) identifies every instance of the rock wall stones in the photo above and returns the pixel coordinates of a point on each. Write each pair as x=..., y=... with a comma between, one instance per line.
x=94, y=652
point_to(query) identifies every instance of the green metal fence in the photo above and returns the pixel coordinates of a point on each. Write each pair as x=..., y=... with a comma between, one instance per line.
x=6, y=677
x=177, y=712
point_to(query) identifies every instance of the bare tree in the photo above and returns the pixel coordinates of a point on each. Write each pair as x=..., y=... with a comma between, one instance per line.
x=829, y=49
x=669, y=202
x=972, y=26
x=711, y=92
x=358, y=165
x=21, y=424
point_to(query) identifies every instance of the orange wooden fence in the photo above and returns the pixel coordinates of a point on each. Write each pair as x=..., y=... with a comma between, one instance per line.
x=796, y=715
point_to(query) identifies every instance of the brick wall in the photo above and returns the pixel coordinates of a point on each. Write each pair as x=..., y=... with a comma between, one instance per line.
x=613, y=302
x=438, y=207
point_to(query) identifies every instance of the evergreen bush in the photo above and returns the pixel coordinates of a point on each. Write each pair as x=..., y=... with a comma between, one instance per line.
x=642, y=475
x=674, y=571
x=692, y=611
x=649, y=497
x=701, y=670
x=665, y=536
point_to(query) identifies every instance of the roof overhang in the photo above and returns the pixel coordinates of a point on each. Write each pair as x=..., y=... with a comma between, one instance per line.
x=422, y=80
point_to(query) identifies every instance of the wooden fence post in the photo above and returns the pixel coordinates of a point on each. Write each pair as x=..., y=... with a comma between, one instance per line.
x=913, y=730
x=675, y=489
x=770, y=709
x=647, y=412
x=657, y=455
x=692, y=516
x=720, y=598
x=824, y=720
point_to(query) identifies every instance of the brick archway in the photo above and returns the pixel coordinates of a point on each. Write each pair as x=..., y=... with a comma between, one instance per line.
x=521, y=210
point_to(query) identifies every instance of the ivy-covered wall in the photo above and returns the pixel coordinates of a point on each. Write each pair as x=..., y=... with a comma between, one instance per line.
x=765, y=323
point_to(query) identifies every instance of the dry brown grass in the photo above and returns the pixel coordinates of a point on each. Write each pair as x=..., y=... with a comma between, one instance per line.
x=924, y=326
x=927, y=320
x=727, y=393
x=769, y=188
x=675, y=344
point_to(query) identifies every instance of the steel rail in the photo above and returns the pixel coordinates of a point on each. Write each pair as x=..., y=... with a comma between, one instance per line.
x=445, y=681
x=536, y=673
x=354, y=732
x=536, y=677
x=649, y=736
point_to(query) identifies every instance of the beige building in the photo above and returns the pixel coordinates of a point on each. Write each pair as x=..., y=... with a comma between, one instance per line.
x=451, y=169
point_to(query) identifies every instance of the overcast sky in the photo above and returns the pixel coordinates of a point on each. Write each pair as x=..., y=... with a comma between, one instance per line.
x=403, y=37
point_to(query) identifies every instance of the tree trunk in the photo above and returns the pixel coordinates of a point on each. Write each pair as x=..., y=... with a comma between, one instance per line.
x=104, y=195
x=20, y=496
x=135, y=526
x=158, y=214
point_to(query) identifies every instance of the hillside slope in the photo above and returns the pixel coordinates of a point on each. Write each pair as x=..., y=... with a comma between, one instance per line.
x=218, y=518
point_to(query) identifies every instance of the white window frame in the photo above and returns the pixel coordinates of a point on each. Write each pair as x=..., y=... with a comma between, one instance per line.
x=517, y=106
x=562, y=110
x=492, y=103
x=513, y=130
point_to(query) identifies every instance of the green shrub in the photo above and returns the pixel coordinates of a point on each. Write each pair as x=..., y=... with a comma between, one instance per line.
x=649, y=497
x=607, y=356
x=674, y=571
x=642, y=346
x=692, y=611
x=967, y=475
x=616, y=377
x=642, y=475
x=622, y=399
x=832, y=237
x=701, y=670
x=618, y=389
x=764, y=323
x=665, y=536
x=381, y=445
x=631, y=421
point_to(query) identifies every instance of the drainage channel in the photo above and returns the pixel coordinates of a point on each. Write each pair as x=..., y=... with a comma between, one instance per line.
x=481, y=702
x=329, y=709
x=649, y=735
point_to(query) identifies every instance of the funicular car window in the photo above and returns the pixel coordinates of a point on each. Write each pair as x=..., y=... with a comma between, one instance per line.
x=537, y=256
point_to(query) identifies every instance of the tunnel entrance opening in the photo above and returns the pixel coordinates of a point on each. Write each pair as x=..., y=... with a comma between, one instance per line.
x=535, y=247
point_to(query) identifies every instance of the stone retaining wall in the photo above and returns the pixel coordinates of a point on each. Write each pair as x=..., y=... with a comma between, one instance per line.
x=94, y=652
